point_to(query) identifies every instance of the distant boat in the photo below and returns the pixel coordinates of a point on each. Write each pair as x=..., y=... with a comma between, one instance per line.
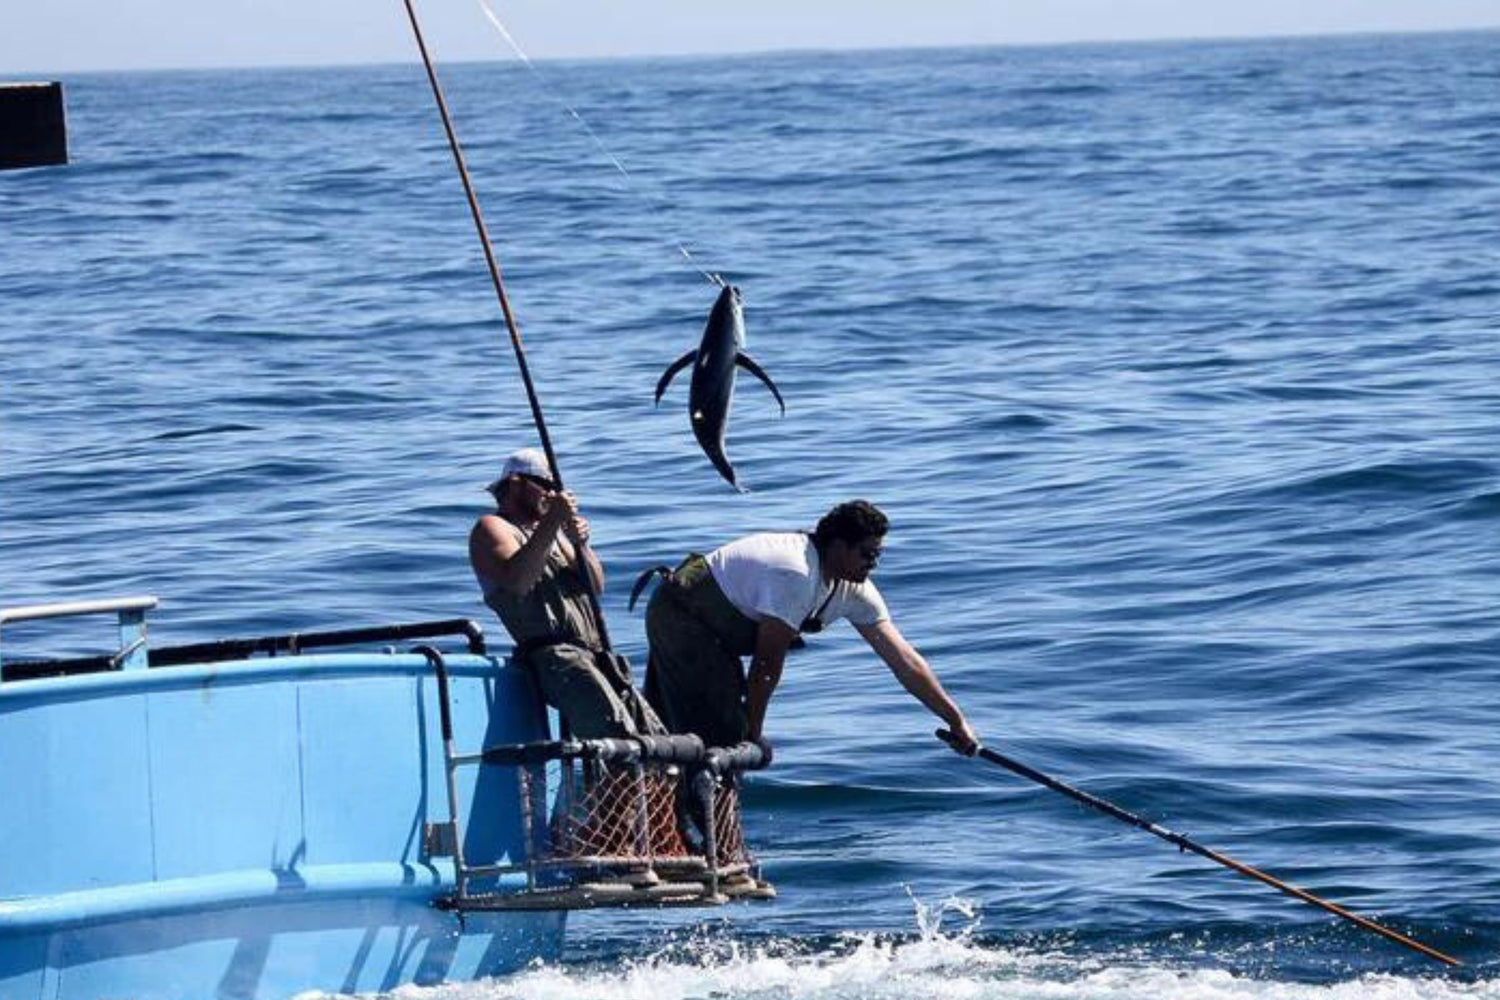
x=33, y=126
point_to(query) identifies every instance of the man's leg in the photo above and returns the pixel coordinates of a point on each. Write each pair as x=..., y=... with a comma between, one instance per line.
x=571, y=683
x=616, y=670
x=693, y=682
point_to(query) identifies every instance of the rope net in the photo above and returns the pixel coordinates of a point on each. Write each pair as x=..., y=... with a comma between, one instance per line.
x=729, y=835
x=639, y=814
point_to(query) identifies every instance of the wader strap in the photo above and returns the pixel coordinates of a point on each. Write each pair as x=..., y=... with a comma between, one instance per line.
x=644, y=580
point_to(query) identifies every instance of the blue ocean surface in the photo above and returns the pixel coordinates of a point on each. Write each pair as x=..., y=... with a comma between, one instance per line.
x=1174, y=365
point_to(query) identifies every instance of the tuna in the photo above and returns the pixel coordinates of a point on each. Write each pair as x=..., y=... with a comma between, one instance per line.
x=712, y=391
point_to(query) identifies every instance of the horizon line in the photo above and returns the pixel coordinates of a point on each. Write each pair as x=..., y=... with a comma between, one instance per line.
x=771, y=52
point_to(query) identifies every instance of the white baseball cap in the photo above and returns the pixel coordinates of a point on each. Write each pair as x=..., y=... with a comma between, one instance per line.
x=526, y=462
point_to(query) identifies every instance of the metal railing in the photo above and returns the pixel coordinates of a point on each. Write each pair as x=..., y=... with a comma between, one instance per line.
x=621, y=831
x=135, y=654
x=132, y=622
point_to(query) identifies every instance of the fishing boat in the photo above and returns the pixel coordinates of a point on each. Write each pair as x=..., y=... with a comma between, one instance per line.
x=342, y=811
x=211, y=822
x=260, y=817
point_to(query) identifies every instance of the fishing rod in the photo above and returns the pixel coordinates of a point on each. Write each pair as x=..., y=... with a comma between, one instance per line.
x=510, y=319
x=1184, y=844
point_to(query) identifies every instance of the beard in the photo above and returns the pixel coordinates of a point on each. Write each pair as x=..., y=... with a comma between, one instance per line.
x=526, y=507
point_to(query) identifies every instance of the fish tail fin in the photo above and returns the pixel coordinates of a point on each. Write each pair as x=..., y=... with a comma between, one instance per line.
x=721, y=462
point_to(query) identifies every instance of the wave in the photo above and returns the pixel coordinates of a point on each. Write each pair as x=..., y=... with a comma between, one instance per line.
x=191, y=432
x=1025, y=156
x=1064, y=90
x=1481, y=506
x=1389, y=479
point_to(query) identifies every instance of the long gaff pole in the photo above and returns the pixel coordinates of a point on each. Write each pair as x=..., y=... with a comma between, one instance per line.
x=1183, y=843
x=510, y=319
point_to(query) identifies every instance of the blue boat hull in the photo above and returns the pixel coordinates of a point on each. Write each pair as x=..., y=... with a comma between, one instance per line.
x=254, y=829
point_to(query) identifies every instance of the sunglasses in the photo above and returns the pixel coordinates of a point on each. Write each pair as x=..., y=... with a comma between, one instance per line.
x=538, y=481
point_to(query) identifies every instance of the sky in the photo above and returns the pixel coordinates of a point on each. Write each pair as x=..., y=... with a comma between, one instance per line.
x=43, y=38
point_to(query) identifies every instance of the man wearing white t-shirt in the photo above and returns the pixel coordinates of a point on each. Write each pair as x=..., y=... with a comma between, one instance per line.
x=753, y=598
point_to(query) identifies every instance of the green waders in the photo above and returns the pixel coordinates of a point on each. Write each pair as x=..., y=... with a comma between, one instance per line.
x=694, y=678
x=558, y=642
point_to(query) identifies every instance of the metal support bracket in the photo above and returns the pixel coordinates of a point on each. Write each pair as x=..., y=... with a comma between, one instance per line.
x=440, y=840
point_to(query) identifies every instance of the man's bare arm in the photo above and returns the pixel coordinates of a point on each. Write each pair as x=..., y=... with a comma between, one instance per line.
x=499, y=555
x=772, y=639
x=918, y=678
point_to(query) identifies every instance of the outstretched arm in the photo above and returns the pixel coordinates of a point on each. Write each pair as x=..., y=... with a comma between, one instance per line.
x=918, y=678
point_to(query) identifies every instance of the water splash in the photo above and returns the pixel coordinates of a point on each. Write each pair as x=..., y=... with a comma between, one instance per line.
x=930, y=918
x=945, y=960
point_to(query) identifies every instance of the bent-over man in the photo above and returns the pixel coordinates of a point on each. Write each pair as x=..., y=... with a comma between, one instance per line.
x=753, y=598
x=526, y=557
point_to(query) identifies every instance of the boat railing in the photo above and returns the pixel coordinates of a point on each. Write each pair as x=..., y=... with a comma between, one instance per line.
x=131, y=612
x=622, y=832
x=135, y=653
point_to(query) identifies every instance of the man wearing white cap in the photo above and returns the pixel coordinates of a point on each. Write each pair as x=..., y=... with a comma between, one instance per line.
x=526, y=557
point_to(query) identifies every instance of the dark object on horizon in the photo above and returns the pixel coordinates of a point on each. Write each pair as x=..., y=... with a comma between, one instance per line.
x=712, y=390
x=33, y=130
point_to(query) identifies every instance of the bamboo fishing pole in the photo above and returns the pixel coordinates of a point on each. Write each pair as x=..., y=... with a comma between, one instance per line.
x=510, y=319
x=1183, y=843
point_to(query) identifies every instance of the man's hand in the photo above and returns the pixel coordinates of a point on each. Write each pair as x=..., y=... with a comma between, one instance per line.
x=965, y=740
x=561, y=510
x=562, y=513
x=578, y=530
x=765, y=748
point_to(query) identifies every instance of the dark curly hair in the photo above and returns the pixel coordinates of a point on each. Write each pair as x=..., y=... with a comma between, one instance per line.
x=851, y=522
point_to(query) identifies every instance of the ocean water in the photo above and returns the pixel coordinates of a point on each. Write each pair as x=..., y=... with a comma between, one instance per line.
x=1174, y=365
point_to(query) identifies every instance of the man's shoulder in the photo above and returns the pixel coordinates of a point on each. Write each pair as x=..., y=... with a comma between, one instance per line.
x=862, y=603
x=777, y=551
x=493, y=524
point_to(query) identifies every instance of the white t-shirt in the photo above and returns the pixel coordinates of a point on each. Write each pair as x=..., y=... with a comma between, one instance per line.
x=777, y=574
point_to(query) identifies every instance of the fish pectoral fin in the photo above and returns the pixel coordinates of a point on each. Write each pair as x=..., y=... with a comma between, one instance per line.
x=673, y=369
x=743, y=360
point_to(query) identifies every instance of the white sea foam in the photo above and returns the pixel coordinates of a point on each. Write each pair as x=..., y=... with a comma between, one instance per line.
x=939, y=965
x=927, y=971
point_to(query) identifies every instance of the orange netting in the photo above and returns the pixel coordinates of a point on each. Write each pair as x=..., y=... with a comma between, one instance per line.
x=729, y=837
x=622, y=813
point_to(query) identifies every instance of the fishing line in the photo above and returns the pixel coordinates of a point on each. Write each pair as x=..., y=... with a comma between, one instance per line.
x=556, y=97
